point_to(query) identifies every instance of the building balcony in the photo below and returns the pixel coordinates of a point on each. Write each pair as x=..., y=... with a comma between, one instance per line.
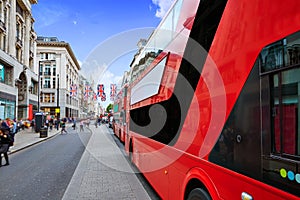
x=19, y=42
x=46, y=87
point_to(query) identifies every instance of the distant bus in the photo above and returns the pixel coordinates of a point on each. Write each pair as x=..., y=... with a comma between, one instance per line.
x=116, y=113
x=120, y=106
x=214, y=104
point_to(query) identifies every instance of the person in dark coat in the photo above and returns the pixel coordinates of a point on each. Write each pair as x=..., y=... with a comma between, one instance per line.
x=4, y=146
x=74, y=123
x=4, y=125
x=63, y=127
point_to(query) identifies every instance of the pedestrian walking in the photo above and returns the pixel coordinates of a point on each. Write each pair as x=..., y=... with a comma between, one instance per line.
x=47, y=123
x=32, y=125
x=74, y=123
x=99, y=120
x=5, y=140
x=51, y=123
x=81, y=125
x=57, y=122
x=9, y=128
x=63, y=127
x=22, y=124
x=5, y=125
x=13, y=132
x=88, y=122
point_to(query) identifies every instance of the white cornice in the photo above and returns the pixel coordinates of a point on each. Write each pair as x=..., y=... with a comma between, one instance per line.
x=60, y=44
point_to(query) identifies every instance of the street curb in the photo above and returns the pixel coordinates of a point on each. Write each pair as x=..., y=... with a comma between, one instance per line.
x=31, y=144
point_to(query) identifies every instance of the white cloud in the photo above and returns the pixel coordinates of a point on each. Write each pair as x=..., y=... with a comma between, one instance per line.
x=163, y=7
x=50, y=15
x=93, y=71
x=108, y=78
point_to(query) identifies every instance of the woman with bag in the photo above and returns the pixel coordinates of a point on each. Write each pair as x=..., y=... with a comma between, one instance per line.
x=5, y=140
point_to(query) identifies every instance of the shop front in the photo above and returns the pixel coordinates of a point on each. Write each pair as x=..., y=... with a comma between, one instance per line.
x=7, y=106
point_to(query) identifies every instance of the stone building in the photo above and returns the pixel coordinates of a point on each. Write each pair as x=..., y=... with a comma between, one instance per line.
x=18, y=80
x=87, y=100
x=58, y=72
x=83, y=98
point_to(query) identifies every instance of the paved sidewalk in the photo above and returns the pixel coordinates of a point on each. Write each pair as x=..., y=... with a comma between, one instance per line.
x=103, y=172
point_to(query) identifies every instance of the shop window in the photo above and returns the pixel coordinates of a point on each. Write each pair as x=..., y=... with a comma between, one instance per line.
x=2, y=72
x=6, y=74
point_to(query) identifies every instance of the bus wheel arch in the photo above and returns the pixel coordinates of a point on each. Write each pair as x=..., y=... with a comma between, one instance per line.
x=196, y=190
x=199, y=186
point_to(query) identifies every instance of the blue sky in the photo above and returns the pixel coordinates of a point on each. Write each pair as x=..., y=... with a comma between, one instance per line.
x=88, y=24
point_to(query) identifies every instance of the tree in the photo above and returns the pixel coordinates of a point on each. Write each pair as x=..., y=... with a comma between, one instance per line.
x=109, y=108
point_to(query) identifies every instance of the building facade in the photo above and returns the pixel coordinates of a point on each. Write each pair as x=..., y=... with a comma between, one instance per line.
x=58, y=72
x=18, y=80
x=89, y=106
x=83, y=97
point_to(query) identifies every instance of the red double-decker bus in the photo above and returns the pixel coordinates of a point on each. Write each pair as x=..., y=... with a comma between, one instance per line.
x=120, y=110
x=214, y=113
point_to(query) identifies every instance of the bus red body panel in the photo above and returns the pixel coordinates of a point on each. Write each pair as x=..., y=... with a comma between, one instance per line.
x=243, y=31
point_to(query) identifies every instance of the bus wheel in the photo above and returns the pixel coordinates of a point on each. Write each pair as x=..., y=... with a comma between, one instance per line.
x=130, y=156
x=198, y=194
x=130, y=152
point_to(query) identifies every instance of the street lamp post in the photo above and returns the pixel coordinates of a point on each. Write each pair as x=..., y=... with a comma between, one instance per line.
x=57, y=105
x=38, y=117
x=39, y=83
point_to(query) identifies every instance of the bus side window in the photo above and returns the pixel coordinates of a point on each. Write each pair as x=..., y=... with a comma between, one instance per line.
x=280, y=96
x=285, y=104
x=281, y=67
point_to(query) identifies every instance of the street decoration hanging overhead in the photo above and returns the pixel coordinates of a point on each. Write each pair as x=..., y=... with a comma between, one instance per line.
x=100, y=92
x=113, y=89
x=94, y=96
x=87, y=91
x=73, y=90
x=103, y=98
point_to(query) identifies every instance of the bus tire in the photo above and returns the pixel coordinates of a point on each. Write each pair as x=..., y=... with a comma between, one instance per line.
x=130, y=156
x=198, y=194
x=130, y=152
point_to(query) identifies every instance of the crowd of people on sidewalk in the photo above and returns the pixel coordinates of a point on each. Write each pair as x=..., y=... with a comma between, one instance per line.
x=9, y=128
